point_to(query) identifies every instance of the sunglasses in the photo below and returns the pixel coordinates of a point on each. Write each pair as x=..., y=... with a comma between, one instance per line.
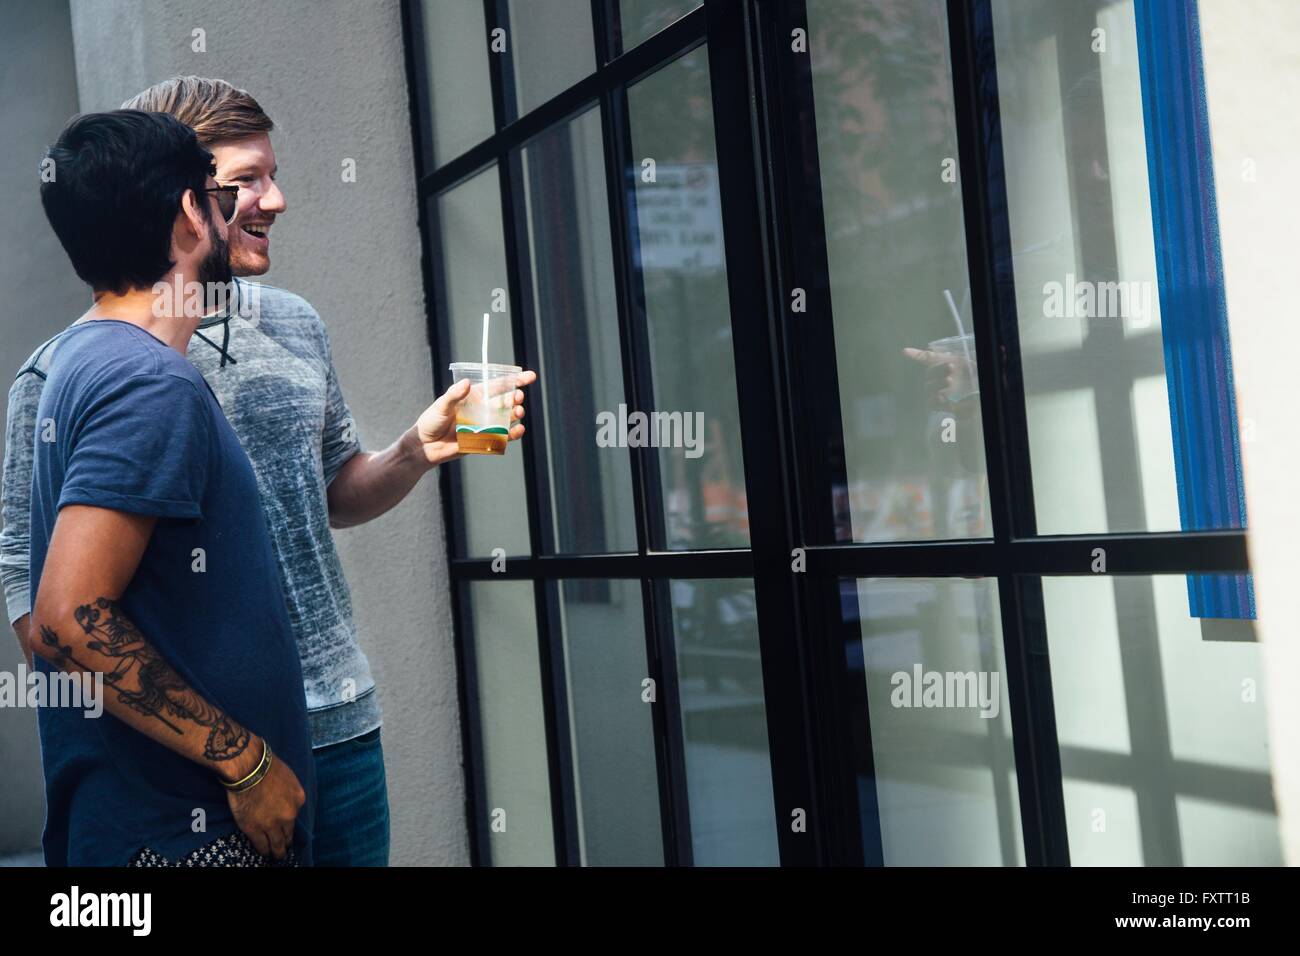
x=227, y=200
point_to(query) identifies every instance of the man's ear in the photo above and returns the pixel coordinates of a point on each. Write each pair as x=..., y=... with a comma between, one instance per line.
x=191, y=222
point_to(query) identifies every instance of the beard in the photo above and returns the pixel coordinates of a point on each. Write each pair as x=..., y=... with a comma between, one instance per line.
x=215, y=269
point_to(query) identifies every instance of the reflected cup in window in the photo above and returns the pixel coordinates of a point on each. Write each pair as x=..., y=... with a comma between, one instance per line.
x=958, y=353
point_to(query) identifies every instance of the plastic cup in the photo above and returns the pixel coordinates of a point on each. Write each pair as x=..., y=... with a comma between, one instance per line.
x=958, y=351
x=483, y=420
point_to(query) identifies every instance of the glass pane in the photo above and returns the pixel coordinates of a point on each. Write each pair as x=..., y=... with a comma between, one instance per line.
x=1083, y=256
x=1162, y=722
x=473, y=279
x=900, y=292
x=581, y=369
x=460, y=92
x=552, y=47
x=509, y=678
x=615, y=773
x=935, y=677
x=696, y=423
x=724, y=723
x=642, y=19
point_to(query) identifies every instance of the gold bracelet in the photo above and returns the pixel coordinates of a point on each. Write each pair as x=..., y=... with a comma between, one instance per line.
x=254, y=778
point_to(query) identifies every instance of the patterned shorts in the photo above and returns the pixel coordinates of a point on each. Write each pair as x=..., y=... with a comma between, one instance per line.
x=234, y=849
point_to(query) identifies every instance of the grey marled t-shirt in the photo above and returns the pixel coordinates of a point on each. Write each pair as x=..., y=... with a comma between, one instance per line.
x=268, y=361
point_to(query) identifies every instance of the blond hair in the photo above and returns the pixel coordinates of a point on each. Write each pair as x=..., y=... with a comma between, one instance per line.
x=214, y=109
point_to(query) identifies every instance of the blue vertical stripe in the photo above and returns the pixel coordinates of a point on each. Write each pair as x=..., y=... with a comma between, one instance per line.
x=1194, y=314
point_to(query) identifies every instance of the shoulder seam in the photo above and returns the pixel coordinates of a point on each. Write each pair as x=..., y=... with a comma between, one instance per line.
x=30, y=367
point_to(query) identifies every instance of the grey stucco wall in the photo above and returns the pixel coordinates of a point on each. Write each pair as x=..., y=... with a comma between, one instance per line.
x=41, y=294
x=330, y=73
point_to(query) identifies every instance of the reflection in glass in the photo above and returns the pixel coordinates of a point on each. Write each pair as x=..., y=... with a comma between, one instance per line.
x=460, y=94
x=642, y=19
x=581, y=372
x=900, y=292
x=509, y=683
x=1083, y=257
x=932, y=658
x=614, y=768
x=724, y=723
x=687, y=307
x=473, y=270
x=1161, y=719
x=551, y=48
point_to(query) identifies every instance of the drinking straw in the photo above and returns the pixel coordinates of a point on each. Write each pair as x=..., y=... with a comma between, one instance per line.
x=485, y=361
x=956, y=316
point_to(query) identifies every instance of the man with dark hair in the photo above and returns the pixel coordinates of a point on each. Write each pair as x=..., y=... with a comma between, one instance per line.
x=269, y=361
x=151, y=563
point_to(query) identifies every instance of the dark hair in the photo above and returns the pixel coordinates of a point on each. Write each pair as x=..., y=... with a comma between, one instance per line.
x=116, y=187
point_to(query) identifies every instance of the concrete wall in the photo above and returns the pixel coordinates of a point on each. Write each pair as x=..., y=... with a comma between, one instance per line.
x=1252, y=78
x=334, y=83
x=41, y=294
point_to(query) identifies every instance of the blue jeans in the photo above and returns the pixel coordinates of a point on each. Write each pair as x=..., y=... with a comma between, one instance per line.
x=351, y=803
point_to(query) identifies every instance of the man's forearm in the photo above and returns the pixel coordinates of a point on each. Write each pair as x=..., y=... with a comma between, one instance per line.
x=142, y=689
x=371, y=483
x=20, y=632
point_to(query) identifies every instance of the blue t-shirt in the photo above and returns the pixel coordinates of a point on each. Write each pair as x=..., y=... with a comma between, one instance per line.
x=126, y=423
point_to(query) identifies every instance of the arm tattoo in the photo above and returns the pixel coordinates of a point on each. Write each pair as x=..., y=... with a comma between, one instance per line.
x=162, y=691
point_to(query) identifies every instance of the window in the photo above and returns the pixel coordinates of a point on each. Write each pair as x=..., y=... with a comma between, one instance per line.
x=906, y=570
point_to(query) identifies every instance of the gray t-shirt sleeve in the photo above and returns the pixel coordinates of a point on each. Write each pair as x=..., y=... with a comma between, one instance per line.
x=16, y=492
x=339, y=441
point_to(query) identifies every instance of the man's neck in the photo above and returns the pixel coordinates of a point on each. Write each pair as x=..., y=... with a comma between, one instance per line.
x=165, y=317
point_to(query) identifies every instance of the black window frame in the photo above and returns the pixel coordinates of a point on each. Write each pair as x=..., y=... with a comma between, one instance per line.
x=774, y=240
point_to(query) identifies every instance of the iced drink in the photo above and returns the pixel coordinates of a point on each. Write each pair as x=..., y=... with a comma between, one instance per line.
x=483, y=420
